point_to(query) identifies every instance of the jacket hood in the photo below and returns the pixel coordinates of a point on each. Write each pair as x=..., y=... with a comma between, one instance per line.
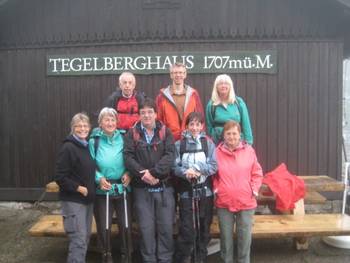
x=222, y=147
x=70, y=138
x=186, y=134
x=98, y=132
x=167, y=93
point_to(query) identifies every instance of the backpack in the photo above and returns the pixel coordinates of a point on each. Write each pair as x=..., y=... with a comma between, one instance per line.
x=140, y=96
x=183, y=145
x=136, y=135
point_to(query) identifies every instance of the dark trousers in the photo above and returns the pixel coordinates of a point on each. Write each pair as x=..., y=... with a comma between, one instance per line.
x=185, y=240
x=115, y=204
x=155, y=216
x=77, y=219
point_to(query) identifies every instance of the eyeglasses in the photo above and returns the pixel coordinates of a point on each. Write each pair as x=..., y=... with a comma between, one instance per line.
x=83, y=126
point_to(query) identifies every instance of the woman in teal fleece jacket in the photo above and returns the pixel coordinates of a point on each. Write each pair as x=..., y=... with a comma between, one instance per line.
x=223, y=106
x=106, y=148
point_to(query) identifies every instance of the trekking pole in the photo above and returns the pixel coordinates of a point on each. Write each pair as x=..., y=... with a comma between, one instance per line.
x=198, y=222
x=127, y=229
x=195, y=218
x=107, y=236
x=345, y=177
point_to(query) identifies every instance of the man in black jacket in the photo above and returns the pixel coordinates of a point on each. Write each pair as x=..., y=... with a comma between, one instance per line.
x=149, y=155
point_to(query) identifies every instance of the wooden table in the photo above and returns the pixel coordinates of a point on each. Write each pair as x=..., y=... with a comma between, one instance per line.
x=322, y=183
x=314, y=185
x=319, y=183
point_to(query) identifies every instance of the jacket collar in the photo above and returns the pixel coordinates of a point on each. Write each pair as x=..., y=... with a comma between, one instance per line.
x=138, y=126
x=167, y=93
x=188, y=136
x=222, y=147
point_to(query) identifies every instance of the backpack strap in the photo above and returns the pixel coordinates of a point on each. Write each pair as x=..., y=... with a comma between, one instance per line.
x=238, y=105
x=140, y=97
x=115, y=98
x=135, y=134
x=96, y=145
x=162, y=132
x=213, y=111
x=183, y=144
x=204, y=143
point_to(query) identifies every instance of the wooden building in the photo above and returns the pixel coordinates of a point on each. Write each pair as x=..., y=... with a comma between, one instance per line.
x=295, y=112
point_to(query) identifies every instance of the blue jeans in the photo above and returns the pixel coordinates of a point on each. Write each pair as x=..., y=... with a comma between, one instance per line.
x=244, y=221
x=77, y=219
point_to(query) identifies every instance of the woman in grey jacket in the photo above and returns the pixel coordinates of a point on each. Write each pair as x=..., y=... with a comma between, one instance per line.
x=194, y=165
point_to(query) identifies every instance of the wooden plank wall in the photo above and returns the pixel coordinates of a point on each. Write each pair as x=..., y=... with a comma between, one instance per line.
x=295, y=114
x=41, y=22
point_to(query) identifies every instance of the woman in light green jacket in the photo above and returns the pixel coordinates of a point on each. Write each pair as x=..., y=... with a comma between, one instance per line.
x=223, y=106
x=106, y=148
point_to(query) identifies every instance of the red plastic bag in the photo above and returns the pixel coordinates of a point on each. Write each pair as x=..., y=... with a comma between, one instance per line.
x=287, y=187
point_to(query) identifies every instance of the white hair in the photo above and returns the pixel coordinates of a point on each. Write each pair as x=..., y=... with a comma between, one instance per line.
x=231, y=95
x=107, y=112
x=125, y=73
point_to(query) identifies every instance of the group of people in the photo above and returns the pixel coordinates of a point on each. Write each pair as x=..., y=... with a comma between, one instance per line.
x=158, y=155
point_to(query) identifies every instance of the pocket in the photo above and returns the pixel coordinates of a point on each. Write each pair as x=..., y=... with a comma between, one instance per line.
x=70, y=223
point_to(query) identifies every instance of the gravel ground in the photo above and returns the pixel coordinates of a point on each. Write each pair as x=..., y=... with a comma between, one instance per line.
x=17, y=246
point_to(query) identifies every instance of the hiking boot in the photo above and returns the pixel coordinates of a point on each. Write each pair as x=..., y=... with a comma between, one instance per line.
x=107, y=258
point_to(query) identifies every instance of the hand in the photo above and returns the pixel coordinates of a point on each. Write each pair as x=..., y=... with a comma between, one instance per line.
x=105, y=185
x=83, y=190
x=126, y=179
x=149, y=178
x=192, y=174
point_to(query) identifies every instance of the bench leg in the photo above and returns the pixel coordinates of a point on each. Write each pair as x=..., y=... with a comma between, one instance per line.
x=301, y=243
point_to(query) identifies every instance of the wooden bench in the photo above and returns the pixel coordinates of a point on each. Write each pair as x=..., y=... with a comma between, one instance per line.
x=297, y=224
x=265, y=226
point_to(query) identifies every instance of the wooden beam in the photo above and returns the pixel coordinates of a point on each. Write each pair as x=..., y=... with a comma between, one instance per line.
x=265, y=226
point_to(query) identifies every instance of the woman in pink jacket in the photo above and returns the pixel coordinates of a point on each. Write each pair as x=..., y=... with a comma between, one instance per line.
x=236, y=186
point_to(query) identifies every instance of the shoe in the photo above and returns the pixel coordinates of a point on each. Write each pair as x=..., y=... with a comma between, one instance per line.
x=107, y=258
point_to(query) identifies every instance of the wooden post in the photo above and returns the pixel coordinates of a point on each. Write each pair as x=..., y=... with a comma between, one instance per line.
x=301, y=243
